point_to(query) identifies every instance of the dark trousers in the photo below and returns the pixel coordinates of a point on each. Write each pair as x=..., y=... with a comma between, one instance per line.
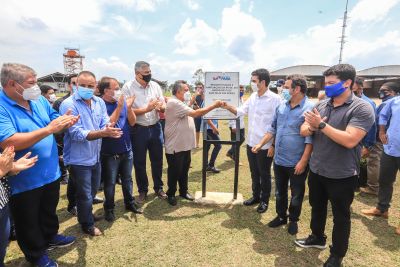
x=35, y=218
x=231, y=151
x=4, y=232
x=178, y=170
x=340, y=192
x=216, y=149
x=71, y=190
x=112, y=165
x=87, y=180
x=387, y=176
x=147, y=139
x=260, y=169
x=284, y=176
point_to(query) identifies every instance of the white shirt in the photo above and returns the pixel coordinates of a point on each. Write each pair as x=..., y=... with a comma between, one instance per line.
x=232, y=123
x=143, y=97
x=261, y=110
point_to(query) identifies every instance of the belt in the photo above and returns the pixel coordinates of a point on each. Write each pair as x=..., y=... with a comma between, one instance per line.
x=115, y=156
x=146, y=126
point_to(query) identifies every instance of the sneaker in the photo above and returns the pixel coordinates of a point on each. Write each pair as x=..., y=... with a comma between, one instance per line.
x=333, y=261
x=312, y=241
x=212, y=169
x=60, y=241
x=45, y=261
x=293, y=228
x=109, y=215
x=278, y=221
x=375, y=212
x=73, y=211
x=97, y=200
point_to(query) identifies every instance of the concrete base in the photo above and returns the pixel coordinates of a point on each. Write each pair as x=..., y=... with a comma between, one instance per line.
x=218, y=198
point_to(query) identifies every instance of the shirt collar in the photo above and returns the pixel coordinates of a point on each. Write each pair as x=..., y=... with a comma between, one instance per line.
x=139, y=85
x=76, y=96
x=11, y=101
x=348, y=101
x=301, y=104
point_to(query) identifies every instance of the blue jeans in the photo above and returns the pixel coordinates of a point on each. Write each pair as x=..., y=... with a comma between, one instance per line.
x=87, y=181
x=217, y=147
x=112, y=166
x=4, y=232
x=147, y=138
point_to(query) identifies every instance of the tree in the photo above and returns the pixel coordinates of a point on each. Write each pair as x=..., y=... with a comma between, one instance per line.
x=198, y=76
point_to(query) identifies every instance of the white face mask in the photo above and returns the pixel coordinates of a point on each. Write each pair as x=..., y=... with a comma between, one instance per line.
x=52, y=98
x=187, y=96
x=117, y=95
x=254, y=87
x=31, y=93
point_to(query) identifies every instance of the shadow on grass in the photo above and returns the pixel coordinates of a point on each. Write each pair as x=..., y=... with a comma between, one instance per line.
x=267, y=241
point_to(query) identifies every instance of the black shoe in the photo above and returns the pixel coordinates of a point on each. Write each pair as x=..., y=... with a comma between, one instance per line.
x=278, y=221
x=172, y=200
x=97, y=200
x=293, y=228
x=97, y=218
x=109, y=215
x=262, y=207
x=134, y=208
x=312, y=241
x=73, y=211
x=333, y=261
x=187, y=196
x=212, y=169
x=251, y=201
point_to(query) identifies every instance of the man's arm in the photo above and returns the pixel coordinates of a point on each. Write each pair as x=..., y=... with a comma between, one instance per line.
x=202, y=111
x=303, y=162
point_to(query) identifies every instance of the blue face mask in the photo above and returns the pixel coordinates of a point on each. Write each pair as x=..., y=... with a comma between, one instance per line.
x=335, y=90
x=241, y=94
x=286, y=95
x=85, y=93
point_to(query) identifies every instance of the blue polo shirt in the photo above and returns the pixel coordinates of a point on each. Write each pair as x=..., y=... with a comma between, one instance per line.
x=77, y=149
x=289, y=144
x=16, y=119
x=391, y=114
x=120, y=145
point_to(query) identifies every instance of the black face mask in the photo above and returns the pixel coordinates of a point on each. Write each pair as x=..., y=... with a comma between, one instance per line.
x=146, y=78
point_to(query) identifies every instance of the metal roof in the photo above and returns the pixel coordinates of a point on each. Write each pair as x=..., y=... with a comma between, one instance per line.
x=306, y=70
x=380, y=71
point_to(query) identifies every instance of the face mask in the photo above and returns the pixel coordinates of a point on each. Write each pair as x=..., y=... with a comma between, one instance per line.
x=286, y=95
x=52, y=98
x=31, y=93
x=85, y=93
x=335, y=90
x=187, y=96
x=384, y=96
x=117, y=95
x=241, y=94
x=146, y=78
x=254, y=87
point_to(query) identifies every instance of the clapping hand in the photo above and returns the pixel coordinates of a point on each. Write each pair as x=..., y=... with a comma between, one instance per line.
x=63, y=122
x=6, y=160
x=130, y=100
x=23, y=163
x=110, y=131
x=314, y=118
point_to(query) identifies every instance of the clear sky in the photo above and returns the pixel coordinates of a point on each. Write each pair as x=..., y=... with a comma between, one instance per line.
x=179, y=36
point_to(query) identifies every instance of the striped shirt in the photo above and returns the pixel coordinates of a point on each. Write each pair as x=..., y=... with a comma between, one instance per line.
x=4, y=192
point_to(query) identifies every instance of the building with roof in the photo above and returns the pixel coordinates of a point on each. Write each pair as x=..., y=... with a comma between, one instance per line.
x=56, y=80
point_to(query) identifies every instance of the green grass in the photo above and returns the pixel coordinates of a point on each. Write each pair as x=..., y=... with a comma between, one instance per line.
x=193, y=235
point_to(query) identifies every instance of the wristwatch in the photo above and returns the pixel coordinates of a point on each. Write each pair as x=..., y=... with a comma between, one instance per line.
x=321, y=125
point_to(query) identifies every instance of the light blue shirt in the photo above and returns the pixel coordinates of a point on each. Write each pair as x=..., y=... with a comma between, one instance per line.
x=391, y=114
x=289, y=144
x=77, y=149
x=16, y=119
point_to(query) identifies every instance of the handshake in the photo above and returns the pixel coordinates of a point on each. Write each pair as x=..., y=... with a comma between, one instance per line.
x=220, y=104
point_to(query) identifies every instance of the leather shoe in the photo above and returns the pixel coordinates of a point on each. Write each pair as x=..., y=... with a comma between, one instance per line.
x=161, y=194
x=134, y=208
x=375, y=212
x=251, y=201
x=142, y=197
x=109, y=215
x=333, y=261
x=262, y=207
x=172, y=200
x=212, y=169
x=97, y=218
x=187, y=196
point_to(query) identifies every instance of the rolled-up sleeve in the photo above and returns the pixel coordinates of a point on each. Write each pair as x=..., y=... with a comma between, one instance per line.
x=385, y=114
x=272, y=128
x=76, y=131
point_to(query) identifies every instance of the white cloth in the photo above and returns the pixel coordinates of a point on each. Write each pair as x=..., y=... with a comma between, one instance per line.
x=232, y=123
x=261, y=110
x=143, y=97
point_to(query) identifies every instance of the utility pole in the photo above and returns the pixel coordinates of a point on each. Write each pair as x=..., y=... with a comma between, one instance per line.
x=342, y=38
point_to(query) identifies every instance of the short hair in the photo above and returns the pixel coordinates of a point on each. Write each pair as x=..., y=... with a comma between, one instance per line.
x=199, y=84
x=140, y=64
x=298, y=80
x=359, y=81
x=393, y=86
x=263, y=75
x=86, y=73
x=343, y=72
x=45, y=88
x=105, y=84
x=178, y=86
x=16, y=72
x=69, y=78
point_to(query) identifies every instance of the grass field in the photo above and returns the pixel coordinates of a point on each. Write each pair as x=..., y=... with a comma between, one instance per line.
x=193, y=235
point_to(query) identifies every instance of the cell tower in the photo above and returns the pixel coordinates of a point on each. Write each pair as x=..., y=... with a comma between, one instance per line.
x=73, y=61
x=343, y=37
